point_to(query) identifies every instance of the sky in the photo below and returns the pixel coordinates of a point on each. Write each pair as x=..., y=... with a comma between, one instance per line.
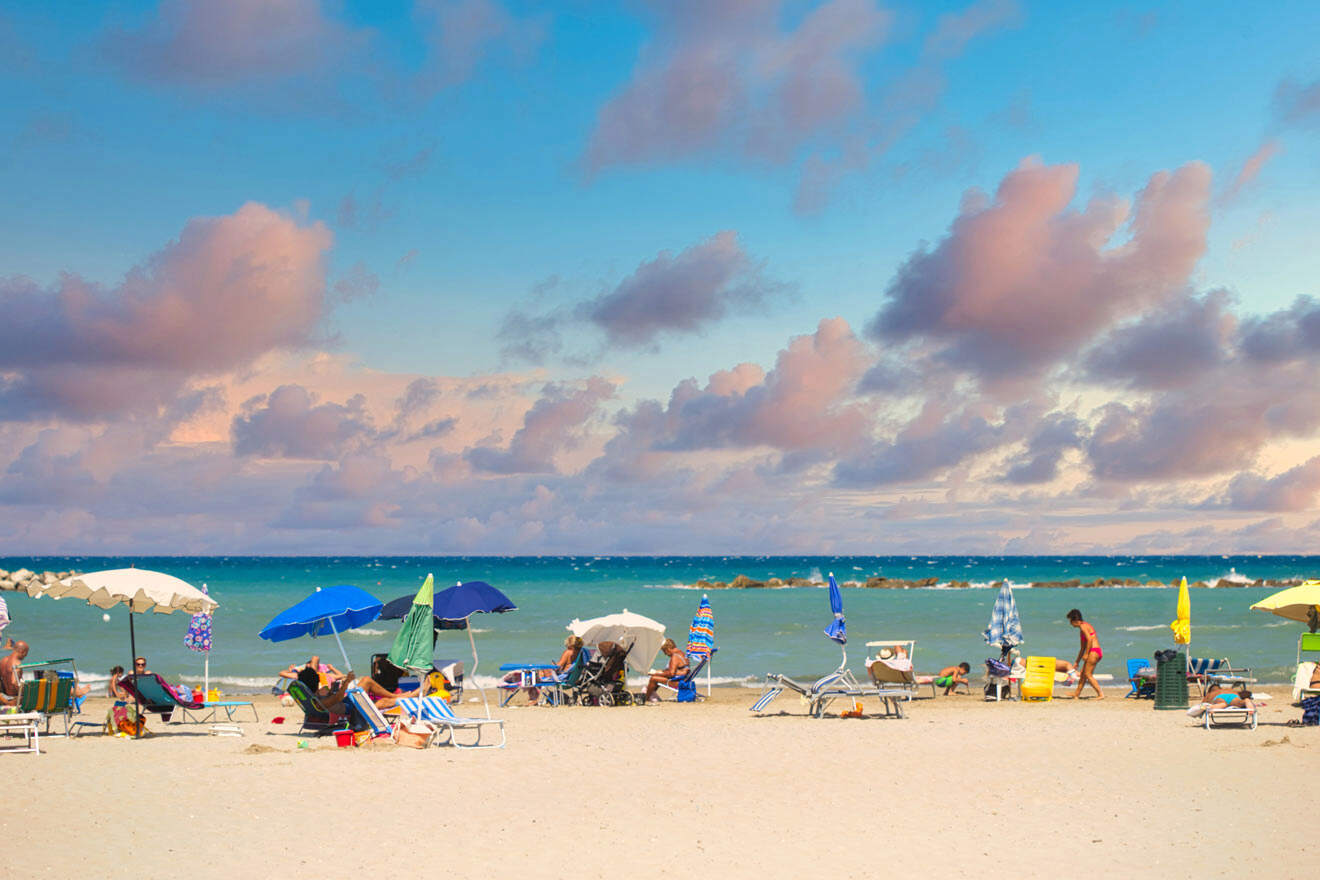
x=658, y=277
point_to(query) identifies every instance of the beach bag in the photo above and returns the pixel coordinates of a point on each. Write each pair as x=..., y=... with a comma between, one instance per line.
x=998, y=668
x=1311, y=712
x=413, y=734
x=687, y=691
x=124, y=719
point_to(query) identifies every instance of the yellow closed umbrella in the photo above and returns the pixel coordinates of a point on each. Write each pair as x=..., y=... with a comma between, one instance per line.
x=1182, y=627
x=1300, y=603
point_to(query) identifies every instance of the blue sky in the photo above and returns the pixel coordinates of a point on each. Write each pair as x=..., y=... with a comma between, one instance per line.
x=451, y=151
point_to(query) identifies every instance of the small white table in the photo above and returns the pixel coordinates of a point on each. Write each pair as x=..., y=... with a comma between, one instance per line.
x=24, y=723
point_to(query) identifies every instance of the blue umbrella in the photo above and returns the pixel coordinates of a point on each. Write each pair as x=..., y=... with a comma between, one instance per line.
x=463, y=600
x=332, y=610
x=838, y=629
x=1005, y=629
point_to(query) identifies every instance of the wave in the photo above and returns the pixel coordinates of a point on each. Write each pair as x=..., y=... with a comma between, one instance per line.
x=365, y=631
x=1133, y=629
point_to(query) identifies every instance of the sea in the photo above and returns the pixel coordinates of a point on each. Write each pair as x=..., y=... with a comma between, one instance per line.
x=756, y=630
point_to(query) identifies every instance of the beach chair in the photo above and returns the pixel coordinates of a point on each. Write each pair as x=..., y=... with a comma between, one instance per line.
x=316, y=719
x=27, y=725
x=49, y=697
x=839, y=684
x=685, y=686
x=1302, y=681
x=1240, y=715
x=1141, y=687
x=895, y=684
x=155, y=696
x=1038, y=685
x=439, y=713
x=368, y=712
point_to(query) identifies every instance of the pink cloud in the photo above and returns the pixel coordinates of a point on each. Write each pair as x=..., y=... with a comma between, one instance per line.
x=726, y=73
x=209, y=43
x=229, y=290
x=1022, y=280
x=1292, y=490
x=1250, y=170
x=553, y=425
x=290, y=423
x=461, y=33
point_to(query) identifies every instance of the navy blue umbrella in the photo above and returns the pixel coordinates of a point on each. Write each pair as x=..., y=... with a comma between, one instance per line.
x=397, y=609
x=331, y=610
x=463, y=600
x=838, y=629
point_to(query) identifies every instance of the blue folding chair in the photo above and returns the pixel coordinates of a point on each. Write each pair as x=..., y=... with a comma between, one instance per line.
x=1141, y=687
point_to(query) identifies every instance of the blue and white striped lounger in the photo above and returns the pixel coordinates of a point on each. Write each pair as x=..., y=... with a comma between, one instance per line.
x=439, y=713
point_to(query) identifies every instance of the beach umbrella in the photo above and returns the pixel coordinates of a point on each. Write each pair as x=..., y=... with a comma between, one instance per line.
x=701, y=635
x=463, y=600
x=397, y=609
x=838, y=628
x=1182, y=626
x=626, y=628
x=141, y=589
x=1300, y=603
x=1005, y=629
x=331, y=610
x=198, y=638
x=4, y=615
x=412, y=648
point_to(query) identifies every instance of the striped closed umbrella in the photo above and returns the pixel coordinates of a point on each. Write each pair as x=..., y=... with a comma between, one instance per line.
x=701, y=634
x=1005, y=629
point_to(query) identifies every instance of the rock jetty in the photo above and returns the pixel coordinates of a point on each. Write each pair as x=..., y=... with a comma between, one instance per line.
x=743, y=582
x=22, y=579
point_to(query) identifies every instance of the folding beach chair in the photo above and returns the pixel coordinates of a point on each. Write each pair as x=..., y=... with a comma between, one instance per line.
x=368, y=711
x=894, y=682
x=1141, y=687
x=49, y=697
x=439, y=713
x=316, y=719
x=155, y=695
x=685, y=686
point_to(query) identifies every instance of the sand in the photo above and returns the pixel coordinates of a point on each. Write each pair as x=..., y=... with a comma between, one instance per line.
x=1068, y=788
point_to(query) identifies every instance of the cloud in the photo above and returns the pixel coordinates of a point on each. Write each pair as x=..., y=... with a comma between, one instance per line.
x=1056, y=434
x=1292, y=490
x=553, y=424
x=727, y=74
x=289, y=423
x=1250, y=170
x=1021, y=281
x=1168, y=347
x=230, y=289
x=221, y=43
x=460, y=34
x=669, y=295
x=1284, y=335
x=1296, y=103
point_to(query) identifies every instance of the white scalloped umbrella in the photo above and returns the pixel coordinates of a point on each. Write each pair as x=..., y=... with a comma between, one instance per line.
x=626, y=628
x=140, y=589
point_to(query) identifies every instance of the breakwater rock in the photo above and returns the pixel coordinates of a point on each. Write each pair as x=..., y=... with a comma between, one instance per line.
x=743, y=582
x=22, y=580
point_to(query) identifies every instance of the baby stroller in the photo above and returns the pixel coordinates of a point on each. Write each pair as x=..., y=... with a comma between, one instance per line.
x=604, y=679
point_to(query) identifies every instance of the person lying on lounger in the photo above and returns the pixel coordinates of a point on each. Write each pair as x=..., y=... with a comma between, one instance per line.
x=333, y=697
x=952, y=676
x=325, y=673
x=1223, y=698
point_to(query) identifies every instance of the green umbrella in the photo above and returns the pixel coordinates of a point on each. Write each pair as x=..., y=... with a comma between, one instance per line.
x=413, y=645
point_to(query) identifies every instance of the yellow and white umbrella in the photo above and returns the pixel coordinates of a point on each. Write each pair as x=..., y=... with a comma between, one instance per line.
x=1300, y=603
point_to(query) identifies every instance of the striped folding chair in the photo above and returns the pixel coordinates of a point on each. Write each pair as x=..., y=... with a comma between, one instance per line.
x=439, y=713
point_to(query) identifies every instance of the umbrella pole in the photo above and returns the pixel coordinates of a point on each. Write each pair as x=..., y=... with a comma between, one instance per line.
x=137, y=699
x=473, y=643
x=342, y=652
x=206, y=675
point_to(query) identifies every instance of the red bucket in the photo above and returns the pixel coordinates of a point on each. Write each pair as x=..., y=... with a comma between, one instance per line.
x=343, y=738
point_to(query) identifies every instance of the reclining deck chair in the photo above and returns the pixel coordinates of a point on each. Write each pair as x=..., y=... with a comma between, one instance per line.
x=1141, y=687
x=1302, y=688
x=1038, y=685
x=155, y=695
x=894, y=682
x=439, y=713
x=316, y=720
x=818, y=695
x=685, y=686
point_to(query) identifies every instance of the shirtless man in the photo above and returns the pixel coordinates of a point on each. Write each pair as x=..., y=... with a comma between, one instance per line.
x=11, y=673
x=677, y=667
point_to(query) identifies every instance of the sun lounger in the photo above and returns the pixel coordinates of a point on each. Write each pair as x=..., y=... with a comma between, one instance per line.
x=155, y=695
x=1302, y=681
x=895, y=683
x=1141, y=686
x=1038, y=685
x=1230, y=715
x=818, y=695
x=26, y=725
x=439, y=713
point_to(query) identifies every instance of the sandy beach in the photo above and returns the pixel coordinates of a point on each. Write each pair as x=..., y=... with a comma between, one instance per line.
x=1036, y=790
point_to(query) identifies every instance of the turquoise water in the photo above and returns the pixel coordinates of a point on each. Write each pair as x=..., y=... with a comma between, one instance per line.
x=757, y=631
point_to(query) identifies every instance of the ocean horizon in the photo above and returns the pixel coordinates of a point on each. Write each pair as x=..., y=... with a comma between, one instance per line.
x=756, y=630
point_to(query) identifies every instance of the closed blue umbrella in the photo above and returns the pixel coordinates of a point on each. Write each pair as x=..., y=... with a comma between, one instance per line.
x=1005, y=629
x=838, y=629
x=331, y=610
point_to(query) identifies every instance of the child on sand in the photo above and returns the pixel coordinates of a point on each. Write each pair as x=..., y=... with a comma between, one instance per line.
x=951, y=676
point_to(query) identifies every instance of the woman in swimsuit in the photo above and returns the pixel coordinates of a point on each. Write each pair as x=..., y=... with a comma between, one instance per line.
x=1088, y=655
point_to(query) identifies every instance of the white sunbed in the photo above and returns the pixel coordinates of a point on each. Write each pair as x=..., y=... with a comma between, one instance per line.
x=25, y=724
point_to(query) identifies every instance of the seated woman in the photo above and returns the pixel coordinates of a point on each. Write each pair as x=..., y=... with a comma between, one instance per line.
x=331, y=697
x=572, y=648
x=677, y=668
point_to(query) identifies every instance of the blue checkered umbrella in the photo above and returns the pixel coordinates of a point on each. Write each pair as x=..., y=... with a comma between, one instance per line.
x=1005, y=629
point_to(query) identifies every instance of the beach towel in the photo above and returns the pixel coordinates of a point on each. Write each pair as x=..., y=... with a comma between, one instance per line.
x=1311, y=712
